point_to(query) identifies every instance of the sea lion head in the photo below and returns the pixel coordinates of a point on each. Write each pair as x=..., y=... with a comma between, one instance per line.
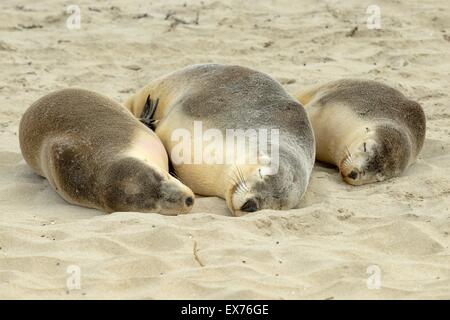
x=381, y=154
x=257, y=188
x=134, y=185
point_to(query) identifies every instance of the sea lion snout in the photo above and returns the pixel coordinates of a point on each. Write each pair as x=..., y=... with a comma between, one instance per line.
x=189, y=201
x=257, y=190
x=249, y=206
x=175, y=197
x=353, y=174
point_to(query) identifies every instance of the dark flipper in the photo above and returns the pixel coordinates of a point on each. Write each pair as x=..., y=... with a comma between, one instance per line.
x=149, y=112
x=74, y=179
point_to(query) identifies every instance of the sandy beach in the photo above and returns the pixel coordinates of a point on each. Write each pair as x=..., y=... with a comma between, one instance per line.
x=388, y=240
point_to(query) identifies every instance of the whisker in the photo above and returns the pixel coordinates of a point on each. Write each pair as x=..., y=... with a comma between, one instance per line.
x=348, y=152
x=239, y=174
x=241, y=178
x=236, y=180
x=233, y=179
x=239, y=186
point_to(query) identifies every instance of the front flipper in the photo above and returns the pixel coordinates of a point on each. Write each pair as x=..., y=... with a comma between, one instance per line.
x=70, y=173
x=148, y=113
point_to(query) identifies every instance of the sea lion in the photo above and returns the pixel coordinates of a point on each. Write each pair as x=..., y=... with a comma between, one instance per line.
x=229, y=99
x=96, y=154
x=371, y=131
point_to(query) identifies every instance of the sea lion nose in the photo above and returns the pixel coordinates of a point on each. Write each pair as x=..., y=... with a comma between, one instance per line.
x=249, y=206
x=189, y=201
x=353, y=175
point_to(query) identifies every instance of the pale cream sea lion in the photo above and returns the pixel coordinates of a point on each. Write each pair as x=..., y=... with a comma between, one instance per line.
x=96, y=154
x=220, y=99
x=371, y=131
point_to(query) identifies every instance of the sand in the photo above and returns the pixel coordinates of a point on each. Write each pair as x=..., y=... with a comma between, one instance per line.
x=388, y=240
